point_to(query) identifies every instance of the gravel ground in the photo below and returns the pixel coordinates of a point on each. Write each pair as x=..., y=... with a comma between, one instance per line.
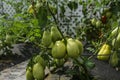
x=103, y=70
x=21, y=52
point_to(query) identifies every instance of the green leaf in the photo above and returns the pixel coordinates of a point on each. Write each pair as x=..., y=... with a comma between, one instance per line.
x=72, y=5
x=42, y=16
x=35, y=22
x=89, y=64
x=115, y=24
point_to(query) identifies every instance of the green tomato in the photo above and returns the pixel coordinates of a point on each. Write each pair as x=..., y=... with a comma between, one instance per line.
x=116, y=42
x=93, y=21
x=114, y=59
x=30, y=9
x=53, y=8
x=59, y=62
x=114, y=32
x=80, y=45
x=108, y=14
x=59, y=50
x=39, y=59
x=55, y=34
x=98, y=23
x=29, y=75
x=73, y=49
x=9, y=38
x=106, y=9
x=38, y=5
x=38, y=71
x=114, y=17
x=46, y=38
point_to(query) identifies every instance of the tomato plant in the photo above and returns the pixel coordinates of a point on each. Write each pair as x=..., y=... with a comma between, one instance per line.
x=104, y=12
x=21, y=28
x=95, y=28
x=59, y=49
x=41, y=23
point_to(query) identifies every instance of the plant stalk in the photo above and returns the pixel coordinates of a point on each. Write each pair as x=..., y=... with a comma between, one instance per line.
x=56, y=21
x=35, y=14
x=85, y=69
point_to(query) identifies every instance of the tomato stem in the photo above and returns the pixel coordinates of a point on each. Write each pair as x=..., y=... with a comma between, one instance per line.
x=56, y=21
x=84, y=67
x=35, y=14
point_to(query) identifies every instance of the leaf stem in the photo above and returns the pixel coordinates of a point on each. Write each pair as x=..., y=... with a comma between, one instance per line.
x=35, y=14
x=51, y=13
x=56, y=21
x=85, y=69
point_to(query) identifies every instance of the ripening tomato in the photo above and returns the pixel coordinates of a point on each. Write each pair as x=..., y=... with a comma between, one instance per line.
x=104, y=19
x=104, y=52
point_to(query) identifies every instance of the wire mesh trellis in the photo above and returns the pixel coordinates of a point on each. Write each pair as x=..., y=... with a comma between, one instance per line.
x=67, y=24
x=7, y=7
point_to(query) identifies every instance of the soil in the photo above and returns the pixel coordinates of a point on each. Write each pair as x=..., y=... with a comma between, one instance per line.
x=21, y=52
x=102, y=70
